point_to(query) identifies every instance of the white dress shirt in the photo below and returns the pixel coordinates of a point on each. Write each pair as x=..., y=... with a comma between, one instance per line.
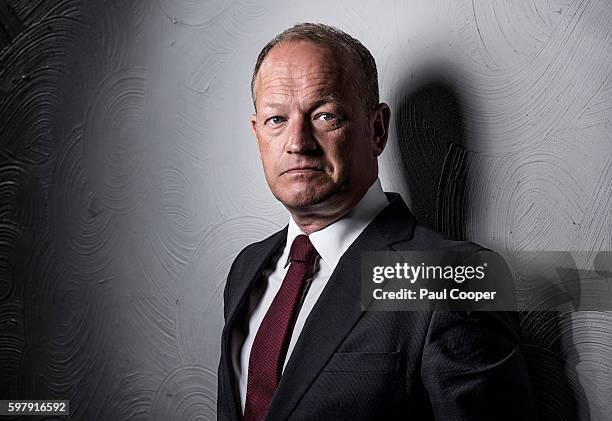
x=330, y=242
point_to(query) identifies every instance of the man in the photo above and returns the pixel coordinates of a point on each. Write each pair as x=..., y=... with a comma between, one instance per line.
x=296, y=343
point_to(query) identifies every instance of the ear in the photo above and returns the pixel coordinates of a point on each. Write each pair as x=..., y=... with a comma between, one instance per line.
x=380, y=127
x=254, y=124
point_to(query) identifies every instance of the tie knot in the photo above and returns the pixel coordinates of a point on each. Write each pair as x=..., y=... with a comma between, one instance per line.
x=302, y=250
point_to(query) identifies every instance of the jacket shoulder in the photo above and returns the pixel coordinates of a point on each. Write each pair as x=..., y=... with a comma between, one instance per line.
x=425, y=238
x=248, y=258
x=257, y=251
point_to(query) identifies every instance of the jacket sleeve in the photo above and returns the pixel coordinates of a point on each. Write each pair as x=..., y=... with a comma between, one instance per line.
x=473, y=367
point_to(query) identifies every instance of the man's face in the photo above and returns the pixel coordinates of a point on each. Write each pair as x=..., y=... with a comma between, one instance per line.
x=315, y=137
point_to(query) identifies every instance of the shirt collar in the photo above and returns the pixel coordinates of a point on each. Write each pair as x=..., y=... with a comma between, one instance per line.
x=332, y=241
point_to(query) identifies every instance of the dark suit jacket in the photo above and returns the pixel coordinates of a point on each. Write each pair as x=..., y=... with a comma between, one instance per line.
x=354, y=365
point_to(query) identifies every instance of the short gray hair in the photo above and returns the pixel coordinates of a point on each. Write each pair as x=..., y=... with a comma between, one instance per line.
x=329, y=36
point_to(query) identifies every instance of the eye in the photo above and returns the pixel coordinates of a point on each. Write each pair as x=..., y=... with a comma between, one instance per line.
x=326, y=117
x=275, y=120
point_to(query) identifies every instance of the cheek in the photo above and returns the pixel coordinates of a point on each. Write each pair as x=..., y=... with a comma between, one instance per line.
x=341, y=152
x=269, y=157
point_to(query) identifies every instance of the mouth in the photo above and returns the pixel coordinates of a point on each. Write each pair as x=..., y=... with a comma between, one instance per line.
x=302, y=170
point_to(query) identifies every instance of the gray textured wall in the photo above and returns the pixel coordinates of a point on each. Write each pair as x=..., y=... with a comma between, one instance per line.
x=129, y=179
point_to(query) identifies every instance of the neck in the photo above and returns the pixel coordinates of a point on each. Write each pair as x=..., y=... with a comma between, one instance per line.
x=312, y=223
x=317, y=217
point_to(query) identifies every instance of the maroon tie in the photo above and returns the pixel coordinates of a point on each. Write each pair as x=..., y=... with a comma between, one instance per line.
x=272, y=338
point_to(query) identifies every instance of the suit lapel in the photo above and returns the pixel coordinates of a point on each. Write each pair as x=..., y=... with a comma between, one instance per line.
x=338, y=308
x=242, y=284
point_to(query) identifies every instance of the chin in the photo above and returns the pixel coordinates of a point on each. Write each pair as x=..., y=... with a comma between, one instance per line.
x=297, y=192
x=303, y=199
x=296, y=202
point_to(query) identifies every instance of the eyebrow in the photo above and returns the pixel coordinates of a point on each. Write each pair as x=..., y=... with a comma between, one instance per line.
x=326, y=99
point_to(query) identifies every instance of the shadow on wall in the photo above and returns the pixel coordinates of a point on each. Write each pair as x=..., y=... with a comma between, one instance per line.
x=431, y=137
x=432, y=142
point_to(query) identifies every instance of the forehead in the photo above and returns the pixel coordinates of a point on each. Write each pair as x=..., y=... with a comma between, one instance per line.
x=306, y=67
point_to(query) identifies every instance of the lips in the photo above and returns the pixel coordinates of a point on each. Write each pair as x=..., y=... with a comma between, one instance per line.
x=298, y=170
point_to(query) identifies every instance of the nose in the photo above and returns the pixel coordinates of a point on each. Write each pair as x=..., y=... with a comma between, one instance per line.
x=300, y=136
